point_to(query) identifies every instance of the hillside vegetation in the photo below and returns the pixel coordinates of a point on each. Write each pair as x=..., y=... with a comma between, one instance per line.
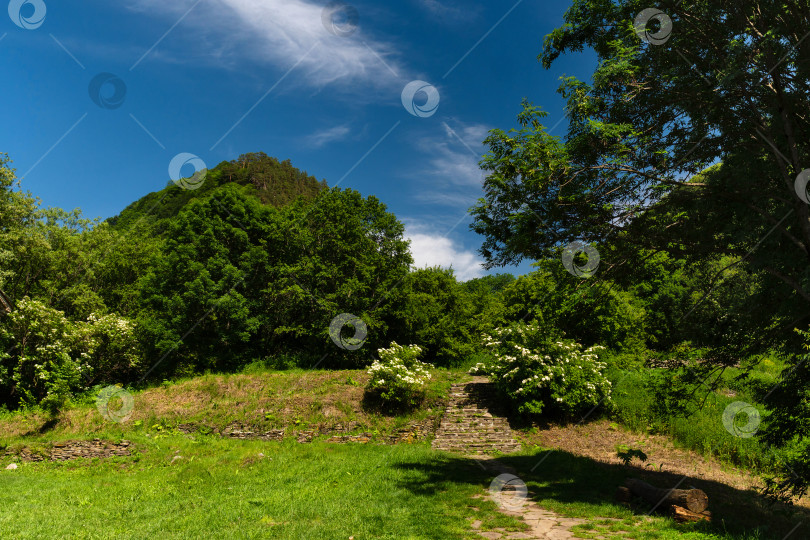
x=273, y=182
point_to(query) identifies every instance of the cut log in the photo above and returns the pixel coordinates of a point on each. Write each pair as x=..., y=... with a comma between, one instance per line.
x=682, y=514
x=694, y=500
x=623, y=494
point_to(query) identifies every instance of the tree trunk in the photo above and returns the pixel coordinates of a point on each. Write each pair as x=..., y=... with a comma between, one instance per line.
x=5, y=303
x=694, y=500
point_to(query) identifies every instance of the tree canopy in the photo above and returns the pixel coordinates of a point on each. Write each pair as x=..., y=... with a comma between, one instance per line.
x=691, y=146
x=688, y=140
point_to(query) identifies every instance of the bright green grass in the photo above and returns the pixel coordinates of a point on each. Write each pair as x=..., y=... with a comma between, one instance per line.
x=703, y=430
x=223, y=489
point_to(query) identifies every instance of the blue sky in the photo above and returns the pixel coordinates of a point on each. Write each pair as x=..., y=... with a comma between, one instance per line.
x=217, y=78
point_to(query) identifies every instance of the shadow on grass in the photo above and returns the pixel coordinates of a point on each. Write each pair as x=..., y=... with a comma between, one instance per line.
x=568, y=484
x=46, y=426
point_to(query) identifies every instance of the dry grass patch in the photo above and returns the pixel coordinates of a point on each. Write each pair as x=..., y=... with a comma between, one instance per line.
x=599, y=440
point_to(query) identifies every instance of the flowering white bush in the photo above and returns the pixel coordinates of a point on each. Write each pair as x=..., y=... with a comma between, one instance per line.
x=115, y=355
x=45, y=358
x=538, y=373
x=398, y=377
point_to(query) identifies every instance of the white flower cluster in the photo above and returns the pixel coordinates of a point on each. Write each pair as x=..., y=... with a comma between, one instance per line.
x=398, y=366
x=530, y=368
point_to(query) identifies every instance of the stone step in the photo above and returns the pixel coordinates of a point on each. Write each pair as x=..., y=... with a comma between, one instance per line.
x=474, y=429
x=469, y=424
x=455, y=426
x=484, y=447
x=482, y=450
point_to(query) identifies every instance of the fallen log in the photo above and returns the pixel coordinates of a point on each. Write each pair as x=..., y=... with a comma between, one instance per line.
x=623, y=494
x=694, y=500
x=681, y=514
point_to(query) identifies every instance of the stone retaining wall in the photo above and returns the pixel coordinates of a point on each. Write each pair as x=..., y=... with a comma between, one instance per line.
x=338, y=433
x=65, y=450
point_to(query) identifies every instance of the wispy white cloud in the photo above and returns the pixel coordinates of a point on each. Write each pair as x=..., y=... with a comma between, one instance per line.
x=433, y=249
x=452, y=169
x=448, y=12
x=284, y=32
x=325, y=136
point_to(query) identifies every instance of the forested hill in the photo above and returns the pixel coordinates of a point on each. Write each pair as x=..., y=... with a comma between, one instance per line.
x=274, y=182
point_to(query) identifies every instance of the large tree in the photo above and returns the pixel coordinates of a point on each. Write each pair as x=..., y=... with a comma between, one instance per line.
x=240, y=280
x=728, y=86
x=689, y=138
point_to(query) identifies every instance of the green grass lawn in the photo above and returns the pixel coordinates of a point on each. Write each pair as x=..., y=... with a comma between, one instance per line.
x=223, y=489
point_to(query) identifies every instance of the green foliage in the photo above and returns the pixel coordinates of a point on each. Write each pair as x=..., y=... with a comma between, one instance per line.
x=630, y=173
x=246, y=280
x=437, y=313
x=203, y=283
x=115, y=355
x=485, y=292
x=700, y=222
x=398, y=378
x=563, y=306
x=789, y=481
x=345, y=254
x=49, y=358
x=540, y=375
x=788, y=424
x=271, y=181
x=695, y=423
x=45, y=366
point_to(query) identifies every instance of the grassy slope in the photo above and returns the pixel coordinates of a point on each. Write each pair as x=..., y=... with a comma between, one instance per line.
x=223, y=488
x=296, y=400
x=703, y=429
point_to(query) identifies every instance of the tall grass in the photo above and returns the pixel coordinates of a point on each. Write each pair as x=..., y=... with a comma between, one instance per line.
x=702, y=429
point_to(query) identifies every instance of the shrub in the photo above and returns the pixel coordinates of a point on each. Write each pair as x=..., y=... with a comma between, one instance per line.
x=43, y=361
x=398, y=379
x=113, y=352
x=49, y=358
x=541, y=375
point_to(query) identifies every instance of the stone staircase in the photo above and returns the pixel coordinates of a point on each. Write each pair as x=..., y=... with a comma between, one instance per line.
x=472, y=423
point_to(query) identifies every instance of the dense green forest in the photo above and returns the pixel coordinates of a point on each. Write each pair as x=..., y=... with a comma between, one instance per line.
x=256, y=264
x=251, y=267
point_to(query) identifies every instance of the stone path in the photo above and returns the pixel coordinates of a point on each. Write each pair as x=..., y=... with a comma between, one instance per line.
x=543, y=524
x=474, y=425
